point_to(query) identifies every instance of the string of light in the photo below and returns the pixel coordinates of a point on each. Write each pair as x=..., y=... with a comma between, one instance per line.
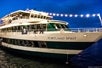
x=77, y=15
x=74, y=15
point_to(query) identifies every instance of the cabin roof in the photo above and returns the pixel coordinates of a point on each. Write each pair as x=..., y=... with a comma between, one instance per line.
x=29, y=11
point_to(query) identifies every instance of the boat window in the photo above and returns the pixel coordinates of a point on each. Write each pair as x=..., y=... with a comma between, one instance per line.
x=19, y=28
x=35, y=16
x=25, y=15
x=38, y=26
x=44, y=26
x=50, y=26
x=32, y=26
x=35, y=26
x=44, y=17
x=9, y=29
x=13, y=29
x=15, y=18
x=63, y=26
x=38, y=16
x=66, y=26
x=29, y=27
x=41, y=17
x=58, y=25
x=3, y=30
x=32, y=15
x=48, y=18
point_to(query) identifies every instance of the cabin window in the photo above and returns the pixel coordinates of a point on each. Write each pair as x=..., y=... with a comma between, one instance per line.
x=66, y=26
x=35, y=16
x=63, y=26
x=19, y=28
x=44, y=26
x=9, y=41
x=25, y=15
x=50, y=26
x=28, y=27
x=48, y=18
x=9, y=29
x=15, y=18
x=44, y=17
x=3, y=30
x=32, y=26
x=41, y=17
x=38, y=16
x=14, y=29
x=58, y=25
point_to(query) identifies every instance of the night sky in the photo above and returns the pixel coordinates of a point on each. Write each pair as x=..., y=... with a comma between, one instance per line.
x=58, y=6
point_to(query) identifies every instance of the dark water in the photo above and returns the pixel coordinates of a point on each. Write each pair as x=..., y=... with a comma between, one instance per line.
x=9, y=60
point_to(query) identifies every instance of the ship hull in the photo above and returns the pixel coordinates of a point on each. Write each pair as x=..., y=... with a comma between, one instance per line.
x=38, y=55
x=69, y=45
x=57, y=45
x=53, y=52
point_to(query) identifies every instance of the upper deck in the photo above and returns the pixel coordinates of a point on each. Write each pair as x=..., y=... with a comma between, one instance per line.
x=27, y=15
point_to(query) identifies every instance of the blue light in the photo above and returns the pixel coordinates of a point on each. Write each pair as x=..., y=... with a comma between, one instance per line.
x=57, y=14
x=87, y=15
x=50, y=13
x=81, y=15
x=54, y=14
x=61, y=15
x=70, y=15
x=98, y=14
x=75, y=15
x=66, y=15
x=93, y=15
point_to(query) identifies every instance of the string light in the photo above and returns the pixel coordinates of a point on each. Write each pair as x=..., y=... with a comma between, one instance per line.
x=74, y=15
x=66, y=15
x=57, y=14
x=87, y=15
x=70, y=15
x=98, y=14
x=54, y=14
x=77, y=15
x=61, y=15
x=93, y=15
x=81, y=15
x=50, y=13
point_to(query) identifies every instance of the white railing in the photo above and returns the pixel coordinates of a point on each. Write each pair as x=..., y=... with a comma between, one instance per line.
x=42, y=31
x=86, y=29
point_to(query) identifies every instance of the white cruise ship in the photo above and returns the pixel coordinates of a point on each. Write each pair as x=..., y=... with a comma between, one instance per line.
x=36, y=33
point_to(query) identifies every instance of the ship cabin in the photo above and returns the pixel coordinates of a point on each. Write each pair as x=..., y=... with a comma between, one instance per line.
x=20, y=21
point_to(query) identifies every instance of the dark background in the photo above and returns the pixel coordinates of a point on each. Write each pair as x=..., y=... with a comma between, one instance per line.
x=59, y=6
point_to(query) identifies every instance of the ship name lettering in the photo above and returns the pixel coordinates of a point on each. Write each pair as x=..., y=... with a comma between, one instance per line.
x=70, y=38
x=62, y=38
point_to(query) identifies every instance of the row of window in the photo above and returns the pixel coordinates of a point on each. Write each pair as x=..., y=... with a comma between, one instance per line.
x=27, y=16
x=25, y=42
x=37, y=27
x=27, y=27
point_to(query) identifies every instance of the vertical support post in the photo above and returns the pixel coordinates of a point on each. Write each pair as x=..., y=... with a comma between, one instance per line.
x=100, y=18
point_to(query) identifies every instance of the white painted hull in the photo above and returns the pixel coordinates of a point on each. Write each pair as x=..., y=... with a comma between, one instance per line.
x=57, y=36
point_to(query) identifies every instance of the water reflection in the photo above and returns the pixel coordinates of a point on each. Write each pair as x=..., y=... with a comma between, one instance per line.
x=8, y=60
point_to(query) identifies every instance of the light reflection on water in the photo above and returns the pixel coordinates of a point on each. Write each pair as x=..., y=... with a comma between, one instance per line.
x=8, y=60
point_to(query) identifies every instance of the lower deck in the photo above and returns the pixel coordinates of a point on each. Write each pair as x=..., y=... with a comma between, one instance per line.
x=55, y=50
x=48, y=44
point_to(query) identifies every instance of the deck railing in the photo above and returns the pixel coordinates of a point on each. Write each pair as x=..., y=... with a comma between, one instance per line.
x=43, y=30
x=86, y=29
